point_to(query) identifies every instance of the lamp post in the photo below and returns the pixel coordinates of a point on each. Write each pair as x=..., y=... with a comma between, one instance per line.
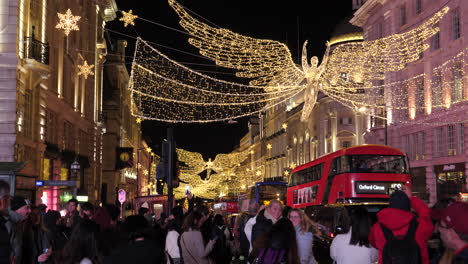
x=75, y=168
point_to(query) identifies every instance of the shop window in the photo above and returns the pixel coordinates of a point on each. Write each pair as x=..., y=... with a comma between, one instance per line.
x=450, y=183
x=418, y=182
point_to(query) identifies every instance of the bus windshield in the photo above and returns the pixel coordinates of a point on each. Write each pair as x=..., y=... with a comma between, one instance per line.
x=270, y=191
x=370, y=164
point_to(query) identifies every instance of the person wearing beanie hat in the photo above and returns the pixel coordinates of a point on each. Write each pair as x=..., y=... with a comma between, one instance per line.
x=399, y=200
x=18, y=226
x=453, y=229
x=397, y=218
x=20, y=205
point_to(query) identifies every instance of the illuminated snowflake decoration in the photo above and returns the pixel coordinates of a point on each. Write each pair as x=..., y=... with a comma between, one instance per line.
x=68, y=22
x=128, y=18
x=85, y=69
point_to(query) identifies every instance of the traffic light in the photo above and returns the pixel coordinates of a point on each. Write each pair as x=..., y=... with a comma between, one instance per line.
x=162, y=169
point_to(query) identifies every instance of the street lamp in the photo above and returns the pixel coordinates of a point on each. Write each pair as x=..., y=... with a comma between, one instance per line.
x=75, y=168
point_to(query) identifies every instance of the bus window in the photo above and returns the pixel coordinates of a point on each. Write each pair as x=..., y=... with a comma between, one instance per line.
x=307, y=175
x=377, y=164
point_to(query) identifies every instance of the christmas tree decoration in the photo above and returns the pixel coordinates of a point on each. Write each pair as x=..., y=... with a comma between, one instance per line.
x=85, y=69
x=68, y=22
x=128, y=18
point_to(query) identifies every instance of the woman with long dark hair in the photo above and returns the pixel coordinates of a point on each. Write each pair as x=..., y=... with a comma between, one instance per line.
x=277, y=245
x=194, y=250
x=82, y=247
x=354, y=247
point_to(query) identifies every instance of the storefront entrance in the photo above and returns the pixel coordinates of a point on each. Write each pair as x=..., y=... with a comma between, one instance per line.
x=450, y=180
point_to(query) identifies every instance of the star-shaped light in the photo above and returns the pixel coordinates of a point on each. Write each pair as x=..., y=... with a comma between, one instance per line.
x=68, y=22
x=85, y=69
x=292, y=165
x=138, y=120
x=128, y=17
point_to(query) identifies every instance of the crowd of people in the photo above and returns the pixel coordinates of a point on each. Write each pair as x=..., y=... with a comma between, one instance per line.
x=270, y=235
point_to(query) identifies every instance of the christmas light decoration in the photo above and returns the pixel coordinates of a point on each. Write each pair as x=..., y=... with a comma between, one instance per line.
x=85, y=69
x=165, y=90
x=128, y=18
x=68, y=22
x=269, y=62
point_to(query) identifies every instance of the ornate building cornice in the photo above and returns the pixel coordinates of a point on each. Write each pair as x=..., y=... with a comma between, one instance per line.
x=362, y=14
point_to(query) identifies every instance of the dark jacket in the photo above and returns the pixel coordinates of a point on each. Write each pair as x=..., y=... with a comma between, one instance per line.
x=398, y=221
x=243, y=241
x=5, y=248
x=461, y=256
x=138, y=252
x=220, y=252
x=261, y=226
x=16, y=225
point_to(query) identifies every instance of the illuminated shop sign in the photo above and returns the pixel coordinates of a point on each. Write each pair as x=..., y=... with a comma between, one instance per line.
x=129, y=173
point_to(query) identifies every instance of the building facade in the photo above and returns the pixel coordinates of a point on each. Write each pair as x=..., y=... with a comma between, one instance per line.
x=51, y=115
x=123, y=130
x=431, y=125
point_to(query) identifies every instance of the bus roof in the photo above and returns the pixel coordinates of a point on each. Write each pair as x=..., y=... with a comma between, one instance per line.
x=354, y=150
x=269, y=183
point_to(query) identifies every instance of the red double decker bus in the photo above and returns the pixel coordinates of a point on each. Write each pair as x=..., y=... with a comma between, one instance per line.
x=366, y=173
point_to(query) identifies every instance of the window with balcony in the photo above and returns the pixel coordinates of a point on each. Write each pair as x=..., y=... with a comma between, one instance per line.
x=27, y=115
x=461, y=138
x=457, y=86
x=406, y=144
x=439, y=142
x=50, y=127
x=420, y=97
x=422, y=145
x=436, y=89
x=456, y=31
x=451, y=140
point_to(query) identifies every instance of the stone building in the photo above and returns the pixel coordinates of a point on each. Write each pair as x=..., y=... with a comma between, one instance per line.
x=432, y=126
x=50, y=115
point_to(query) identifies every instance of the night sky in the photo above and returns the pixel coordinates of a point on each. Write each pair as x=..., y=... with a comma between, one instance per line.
x=277, y=20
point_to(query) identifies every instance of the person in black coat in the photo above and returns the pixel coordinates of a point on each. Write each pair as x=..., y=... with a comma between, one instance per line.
x=5, y=246
x=140, y=248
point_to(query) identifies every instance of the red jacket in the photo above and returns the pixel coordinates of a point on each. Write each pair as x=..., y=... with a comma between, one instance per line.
x=398, y=221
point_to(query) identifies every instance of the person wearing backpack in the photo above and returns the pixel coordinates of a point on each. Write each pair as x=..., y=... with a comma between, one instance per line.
x=399, y=235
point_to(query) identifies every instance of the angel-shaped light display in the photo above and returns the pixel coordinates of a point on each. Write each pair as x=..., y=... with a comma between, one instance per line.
x=269, y=63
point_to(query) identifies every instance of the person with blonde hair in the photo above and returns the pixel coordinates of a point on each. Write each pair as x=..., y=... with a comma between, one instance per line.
x=304, y=236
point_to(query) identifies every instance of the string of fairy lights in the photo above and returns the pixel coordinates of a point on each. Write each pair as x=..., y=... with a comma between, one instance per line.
x=165, y=90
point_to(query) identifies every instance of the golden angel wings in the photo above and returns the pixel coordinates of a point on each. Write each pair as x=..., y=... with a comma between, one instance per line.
x=269, y=63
